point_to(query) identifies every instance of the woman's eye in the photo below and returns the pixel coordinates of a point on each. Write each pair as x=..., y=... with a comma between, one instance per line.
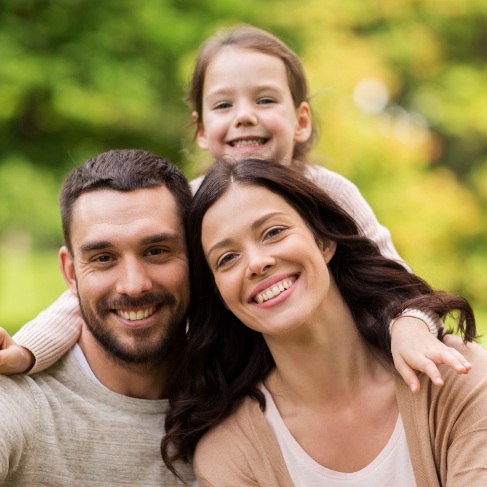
x=225, y=260
x=274, y=232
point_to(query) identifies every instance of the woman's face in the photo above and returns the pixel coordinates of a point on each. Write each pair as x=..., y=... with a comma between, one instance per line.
x=267, y=265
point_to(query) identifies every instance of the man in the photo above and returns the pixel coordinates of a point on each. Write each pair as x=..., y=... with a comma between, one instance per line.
x=96, y=417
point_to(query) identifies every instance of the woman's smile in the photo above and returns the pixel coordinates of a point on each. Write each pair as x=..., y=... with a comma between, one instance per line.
x=266, y=263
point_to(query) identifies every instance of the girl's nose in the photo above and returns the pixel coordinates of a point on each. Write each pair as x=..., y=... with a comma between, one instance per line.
x=245, y=116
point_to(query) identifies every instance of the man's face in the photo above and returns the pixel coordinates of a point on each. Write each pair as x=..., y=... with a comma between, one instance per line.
x=129, y=270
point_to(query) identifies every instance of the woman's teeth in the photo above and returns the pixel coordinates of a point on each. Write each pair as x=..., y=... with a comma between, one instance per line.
x=136, y=315
x=273, y=291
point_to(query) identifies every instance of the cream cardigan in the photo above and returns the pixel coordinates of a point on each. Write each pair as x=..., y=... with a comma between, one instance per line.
x=446, y=429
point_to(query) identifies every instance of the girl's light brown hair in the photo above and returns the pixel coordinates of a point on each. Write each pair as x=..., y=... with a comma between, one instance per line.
x=249, y=37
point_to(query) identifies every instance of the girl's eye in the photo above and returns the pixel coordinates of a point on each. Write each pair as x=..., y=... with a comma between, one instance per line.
x=225, y=260
x=222, y=105
x=266, y=101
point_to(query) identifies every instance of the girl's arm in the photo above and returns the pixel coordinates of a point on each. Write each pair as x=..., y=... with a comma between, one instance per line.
x=414, y=348
x=46, y=338
x=414, y=345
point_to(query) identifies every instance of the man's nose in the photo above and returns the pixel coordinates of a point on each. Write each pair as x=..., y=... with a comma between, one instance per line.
x=133, y=279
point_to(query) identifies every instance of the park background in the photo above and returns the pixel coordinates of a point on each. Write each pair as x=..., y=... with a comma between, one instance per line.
x=399, y=93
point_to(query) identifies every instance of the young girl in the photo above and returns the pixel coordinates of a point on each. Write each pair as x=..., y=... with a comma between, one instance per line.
x=286, y=377
x=250, y=98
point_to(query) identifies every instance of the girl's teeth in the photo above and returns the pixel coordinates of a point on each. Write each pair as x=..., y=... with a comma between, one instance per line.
x=245, y=143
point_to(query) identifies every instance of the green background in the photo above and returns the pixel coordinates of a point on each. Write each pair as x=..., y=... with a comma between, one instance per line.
x=398, y=92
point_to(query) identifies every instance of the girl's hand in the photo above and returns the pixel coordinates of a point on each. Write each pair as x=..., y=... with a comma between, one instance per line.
x=14, y=359
x=413, y=348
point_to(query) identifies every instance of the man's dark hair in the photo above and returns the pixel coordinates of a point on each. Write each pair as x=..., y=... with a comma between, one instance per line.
x=122, y=170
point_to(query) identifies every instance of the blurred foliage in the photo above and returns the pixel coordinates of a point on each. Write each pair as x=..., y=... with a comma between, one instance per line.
x=398, y=93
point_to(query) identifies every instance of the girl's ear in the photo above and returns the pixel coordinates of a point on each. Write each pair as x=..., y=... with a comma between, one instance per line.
x=304, y=126
x=66, y=265
x=200, y=132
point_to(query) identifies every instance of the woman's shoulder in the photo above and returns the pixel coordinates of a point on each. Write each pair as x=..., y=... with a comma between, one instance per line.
x=240, y=449
x=233, y=432
x=461, y=394
x=475, y=353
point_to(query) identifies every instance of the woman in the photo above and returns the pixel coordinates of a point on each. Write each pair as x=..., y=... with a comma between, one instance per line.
x=288, y=378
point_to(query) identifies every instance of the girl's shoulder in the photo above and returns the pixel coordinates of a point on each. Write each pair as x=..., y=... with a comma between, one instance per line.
x=328, y=179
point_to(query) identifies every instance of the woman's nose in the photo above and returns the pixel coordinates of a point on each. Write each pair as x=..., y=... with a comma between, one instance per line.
x=259, y=263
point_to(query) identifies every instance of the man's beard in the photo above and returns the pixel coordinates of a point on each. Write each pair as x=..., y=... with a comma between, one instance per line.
x=147, y=347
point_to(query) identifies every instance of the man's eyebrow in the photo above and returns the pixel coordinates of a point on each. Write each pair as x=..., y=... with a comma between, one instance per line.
x=151, y=239
x=161, y=238
x=97, y=245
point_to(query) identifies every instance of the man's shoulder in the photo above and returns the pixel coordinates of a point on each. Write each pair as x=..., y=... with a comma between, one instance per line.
x=18, y=384
x=20, y=399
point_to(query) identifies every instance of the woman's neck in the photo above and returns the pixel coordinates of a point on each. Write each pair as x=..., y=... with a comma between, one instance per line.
x=329, y=360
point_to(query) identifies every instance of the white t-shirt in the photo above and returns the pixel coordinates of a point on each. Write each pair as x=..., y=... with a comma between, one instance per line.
x=391, y=468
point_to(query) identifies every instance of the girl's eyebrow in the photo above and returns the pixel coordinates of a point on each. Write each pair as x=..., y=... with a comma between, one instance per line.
x=255, y=224
x=218, y=91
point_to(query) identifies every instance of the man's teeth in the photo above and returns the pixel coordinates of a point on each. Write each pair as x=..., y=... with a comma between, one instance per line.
x=136, y=315
x=248, y=143
x=273, y=291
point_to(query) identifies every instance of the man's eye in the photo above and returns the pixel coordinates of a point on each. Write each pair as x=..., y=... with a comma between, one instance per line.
x=156, y=251
x=103, y=259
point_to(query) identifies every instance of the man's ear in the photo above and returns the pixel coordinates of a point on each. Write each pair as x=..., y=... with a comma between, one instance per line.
x=200, y=132
x=304, y=126
x=66, y=264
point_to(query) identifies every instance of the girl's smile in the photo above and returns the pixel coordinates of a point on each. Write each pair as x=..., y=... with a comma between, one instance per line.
x=248, y=108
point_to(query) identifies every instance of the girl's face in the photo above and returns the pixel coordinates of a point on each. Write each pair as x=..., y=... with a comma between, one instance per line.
x=267, y=265
x=248, y=108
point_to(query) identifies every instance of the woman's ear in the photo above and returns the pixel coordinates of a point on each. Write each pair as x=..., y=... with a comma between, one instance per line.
x=328, y=249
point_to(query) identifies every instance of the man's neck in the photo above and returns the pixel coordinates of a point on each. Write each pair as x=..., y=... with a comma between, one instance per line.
x=141, y=381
